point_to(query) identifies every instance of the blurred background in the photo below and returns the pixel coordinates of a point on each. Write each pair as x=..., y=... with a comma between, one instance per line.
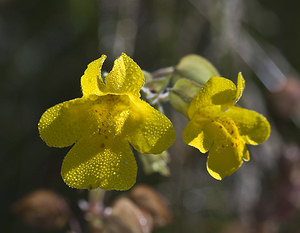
x=45, y=47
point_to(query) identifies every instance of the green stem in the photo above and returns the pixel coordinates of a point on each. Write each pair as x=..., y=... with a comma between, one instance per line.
x=94, y=213
x=96, y=196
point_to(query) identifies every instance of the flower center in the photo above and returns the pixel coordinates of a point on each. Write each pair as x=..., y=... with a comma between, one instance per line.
x=111, y=112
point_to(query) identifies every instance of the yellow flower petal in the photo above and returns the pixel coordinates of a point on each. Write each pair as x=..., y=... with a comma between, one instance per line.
x=148, y=130
x=64, y=123
x=214, y=131
x=228, y=149
x=98, y=162
x=223, y=161
x=195, y=136
x=246, y=156
x=91, y=81
x=216, y=91
x=126, y=77
x=252, y=126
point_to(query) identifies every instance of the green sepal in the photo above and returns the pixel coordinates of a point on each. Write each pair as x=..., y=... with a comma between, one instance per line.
x=147, y=75
x=156, y=163
x=196, y=68
x=182, y=94
x=158, y=84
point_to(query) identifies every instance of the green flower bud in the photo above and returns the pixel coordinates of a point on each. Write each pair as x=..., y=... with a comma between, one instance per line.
x=182, y=94
x=196, y=68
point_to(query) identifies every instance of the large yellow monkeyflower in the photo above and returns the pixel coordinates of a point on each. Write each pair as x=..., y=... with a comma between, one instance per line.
x=102, y=123
x=223, y=129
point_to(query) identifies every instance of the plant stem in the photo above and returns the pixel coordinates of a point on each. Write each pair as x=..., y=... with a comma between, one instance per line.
x=94, y=214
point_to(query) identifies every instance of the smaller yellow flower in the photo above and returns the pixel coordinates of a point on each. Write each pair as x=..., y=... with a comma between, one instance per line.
x=223, y=129
x=102, y=123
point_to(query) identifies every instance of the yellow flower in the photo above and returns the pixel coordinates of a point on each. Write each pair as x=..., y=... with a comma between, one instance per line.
x=102, y=123
x=223, y=129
